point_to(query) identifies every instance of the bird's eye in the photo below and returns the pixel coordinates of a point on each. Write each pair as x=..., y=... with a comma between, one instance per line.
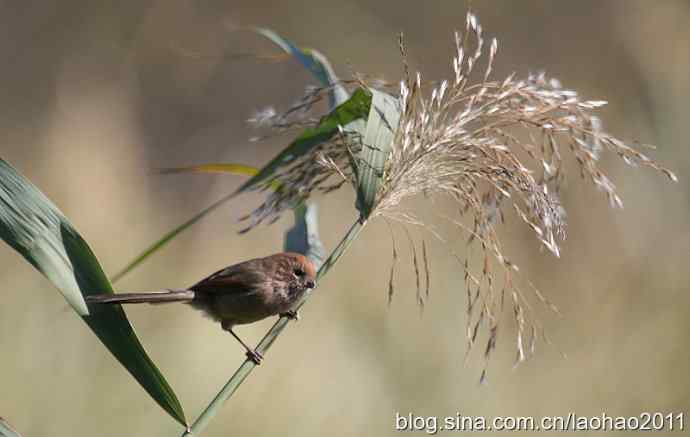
x=298, y=272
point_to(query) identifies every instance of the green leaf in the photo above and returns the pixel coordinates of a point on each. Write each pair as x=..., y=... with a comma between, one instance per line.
x=230, y=168
x=35, y=227
x=355, y=108
x=348, y=114
x=315, y=62
x=377, y=140
x=30, y=224
x=303, y=237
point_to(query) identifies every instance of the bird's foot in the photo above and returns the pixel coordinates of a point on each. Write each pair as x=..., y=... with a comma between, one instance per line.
x=254, y=356
x=292, y=315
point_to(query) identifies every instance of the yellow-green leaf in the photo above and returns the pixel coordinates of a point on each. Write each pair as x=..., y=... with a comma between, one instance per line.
x=219, y=167
x=231, y=168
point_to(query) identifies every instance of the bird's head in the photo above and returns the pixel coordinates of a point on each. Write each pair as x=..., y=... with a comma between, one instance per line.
x=299, y=269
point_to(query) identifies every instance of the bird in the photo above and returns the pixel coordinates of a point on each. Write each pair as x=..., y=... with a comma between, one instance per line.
x=239, y=294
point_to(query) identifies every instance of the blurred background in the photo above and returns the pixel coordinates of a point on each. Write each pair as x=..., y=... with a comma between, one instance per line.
x=94, y=97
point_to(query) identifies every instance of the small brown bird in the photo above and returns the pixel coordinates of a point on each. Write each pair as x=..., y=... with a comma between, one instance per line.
x=242, y=293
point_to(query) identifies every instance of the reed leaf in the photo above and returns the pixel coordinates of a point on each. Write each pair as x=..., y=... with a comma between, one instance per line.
x=218, y=167
x=303, y=237
x=378, y=136
x=355, y=108
x=168, y=237
x=315, y=62
x=32, y=225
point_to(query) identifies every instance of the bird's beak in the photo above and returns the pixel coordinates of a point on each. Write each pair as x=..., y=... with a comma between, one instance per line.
x=310, y=284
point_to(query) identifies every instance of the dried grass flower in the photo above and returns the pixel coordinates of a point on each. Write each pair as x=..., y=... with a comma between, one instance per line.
x=488, y=145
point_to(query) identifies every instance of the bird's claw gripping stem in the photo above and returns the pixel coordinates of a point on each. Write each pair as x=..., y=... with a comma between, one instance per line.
x=254, y=356
x=292, y=315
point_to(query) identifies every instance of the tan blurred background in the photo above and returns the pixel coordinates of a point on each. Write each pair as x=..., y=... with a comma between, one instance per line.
x=93, y=97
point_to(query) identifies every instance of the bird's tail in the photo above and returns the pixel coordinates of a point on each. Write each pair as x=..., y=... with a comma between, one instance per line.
x=163, y=296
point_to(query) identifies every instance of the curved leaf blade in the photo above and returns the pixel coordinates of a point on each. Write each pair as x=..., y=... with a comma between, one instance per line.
x=230, y=168
x=168, y=237
x=320, y=67
x=378, y=136
x=30, y=224
x=303, y=237
x=35, y=227
x=355, y=108
x=314, y=61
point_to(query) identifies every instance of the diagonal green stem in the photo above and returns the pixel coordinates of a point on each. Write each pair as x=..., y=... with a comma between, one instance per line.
x=169, y=236
x=6, y=430
x=245, y=369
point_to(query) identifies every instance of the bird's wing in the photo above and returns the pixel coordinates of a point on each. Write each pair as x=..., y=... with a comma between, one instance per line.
x=235, y=279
